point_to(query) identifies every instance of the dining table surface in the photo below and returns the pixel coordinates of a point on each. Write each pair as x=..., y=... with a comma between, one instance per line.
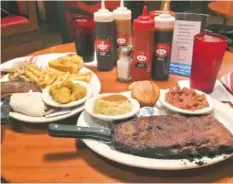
x=29, y=154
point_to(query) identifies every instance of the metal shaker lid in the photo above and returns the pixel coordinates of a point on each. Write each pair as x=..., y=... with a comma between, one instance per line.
x=124, y=51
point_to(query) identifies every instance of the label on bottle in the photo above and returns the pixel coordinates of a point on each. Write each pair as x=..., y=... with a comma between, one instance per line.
x=141, y=58
x=162, y=50
x=103, y=46
x=122, y=39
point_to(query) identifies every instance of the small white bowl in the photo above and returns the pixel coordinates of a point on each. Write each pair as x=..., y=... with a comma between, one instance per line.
x=89, y=105
x=184, y=111
x=48, y=99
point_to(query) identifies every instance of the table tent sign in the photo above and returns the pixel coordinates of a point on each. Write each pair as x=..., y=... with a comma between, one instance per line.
x=187, y=25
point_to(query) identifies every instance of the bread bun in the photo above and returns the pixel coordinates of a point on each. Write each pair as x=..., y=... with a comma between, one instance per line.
x=145, y=92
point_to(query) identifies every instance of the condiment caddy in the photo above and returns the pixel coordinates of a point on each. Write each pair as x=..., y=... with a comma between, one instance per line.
x=149, y=42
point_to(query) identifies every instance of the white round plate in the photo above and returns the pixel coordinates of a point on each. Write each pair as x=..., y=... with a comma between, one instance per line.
x=48, y=99
x=42, y=61
x=221, y=111
x=206, y=110
x=89, y=104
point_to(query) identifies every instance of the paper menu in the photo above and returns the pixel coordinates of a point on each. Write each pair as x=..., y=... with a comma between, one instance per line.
x=187, y=25
x=182, y=46
x=219, y=93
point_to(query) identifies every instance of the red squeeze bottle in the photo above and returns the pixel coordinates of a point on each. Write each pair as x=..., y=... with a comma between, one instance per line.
x=143, y=40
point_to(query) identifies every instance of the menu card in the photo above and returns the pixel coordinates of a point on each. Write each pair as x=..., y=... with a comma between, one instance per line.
x=187, y=25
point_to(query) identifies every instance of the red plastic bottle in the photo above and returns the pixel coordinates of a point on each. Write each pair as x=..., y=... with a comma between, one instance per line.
x=143, y=41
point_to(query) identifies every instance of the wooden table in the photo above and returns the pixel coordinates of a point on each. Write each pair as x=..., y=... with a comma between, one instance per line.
x=30, y=155
x=223, y=8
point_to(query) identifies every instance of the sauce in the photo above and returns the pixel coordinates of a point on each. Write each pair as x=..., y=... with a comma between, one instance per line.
x=115, y=98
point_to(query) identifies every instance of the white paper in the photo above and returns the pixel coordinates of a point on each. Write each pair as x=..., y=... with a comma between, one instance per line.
x=182, y=46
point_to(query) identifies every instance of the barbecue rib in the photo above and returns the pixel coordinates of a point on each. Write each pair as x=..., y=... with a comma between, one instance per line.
x=173, y=136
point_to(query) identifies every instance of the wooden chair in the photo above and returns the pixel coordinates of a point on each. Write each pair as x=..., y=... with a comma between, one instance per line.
x=20, y=33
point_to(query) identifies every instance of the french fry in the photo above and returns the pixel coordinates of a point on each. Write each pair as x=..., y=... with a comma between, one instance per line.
x=59, y=79
x=51, y=80
x=81, y=78
x=41, y=84
x=65, y=76
x=44, y=82
x=89, y=78
x=31, y=76
x=35, y=71
x=52, y=70
x=83, y=73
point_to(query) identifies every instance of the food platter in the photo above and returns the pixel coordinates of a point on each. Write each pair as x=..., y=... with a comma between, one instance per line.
x=42, y=61
x=47, y=98
x=90, y=103
x=221, y=112
x=184, y=111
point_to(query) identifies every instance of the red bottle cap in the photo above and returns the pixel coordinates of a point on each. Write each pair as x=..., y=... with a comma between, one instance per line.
x=144, y=22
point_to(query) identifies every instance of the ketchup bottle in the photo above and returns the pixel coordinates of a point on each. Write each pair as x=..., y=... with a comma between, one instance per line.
x=143, y=40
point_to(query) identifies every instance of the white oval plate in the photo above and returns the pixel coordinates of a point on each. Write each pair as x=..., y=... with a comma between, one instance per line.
x=90, y=104
x=221, y=111
x=48, y=99
x=210, y=100
x=42, y=61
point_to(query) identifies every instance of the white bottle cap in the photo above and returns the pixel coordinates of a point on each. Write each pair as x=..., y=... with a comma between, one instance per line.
x=103, y=15
x=122, y=12
x=164, y=20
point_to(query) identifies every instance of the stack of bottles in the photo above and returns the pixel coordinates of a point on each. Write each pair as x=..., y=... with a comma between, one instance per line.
x=142, y=53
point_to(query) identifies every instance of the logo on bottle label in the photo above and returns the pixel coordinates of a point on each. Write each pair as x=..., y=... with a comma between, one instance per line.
x=162, y=50
x=122, y=39
x=141, y=58
x=103, y=45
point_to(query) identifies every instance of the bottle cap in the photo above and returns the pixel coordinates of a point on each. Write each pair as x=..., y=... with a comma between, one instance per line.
x=122, y=12
x=155, y=13
x=103, y=15
x=144, y=22
x=164, y=20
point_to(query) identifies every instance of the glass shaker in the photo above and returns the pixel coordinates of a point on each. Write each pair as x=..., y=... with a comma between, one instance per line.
x=124, y=64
